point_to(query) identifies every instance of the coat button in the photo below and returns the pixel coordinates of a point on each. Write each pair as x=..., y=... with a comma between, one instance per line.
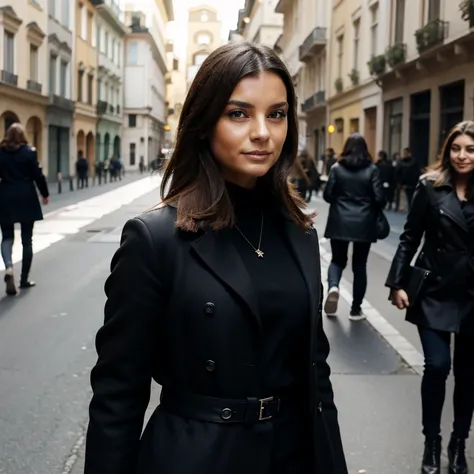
x=210, y=366
x=226, y=414
x=209, y=308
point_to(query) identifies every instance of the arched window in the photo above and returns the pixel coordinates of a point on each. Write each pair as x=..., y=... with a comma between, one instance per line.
x=204, y=16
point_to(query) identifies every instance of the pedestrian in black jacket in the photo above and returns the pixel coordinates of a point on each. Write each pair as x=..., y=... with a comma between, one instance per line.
x=19, y=171
x=407, y=173
x=387, y=177
x=216, y=295
x=356, y=197
x=438, y=292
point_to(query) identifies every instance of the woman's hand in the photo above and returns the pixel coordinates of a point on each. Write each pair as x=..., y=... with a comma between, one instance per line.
x=400, y=299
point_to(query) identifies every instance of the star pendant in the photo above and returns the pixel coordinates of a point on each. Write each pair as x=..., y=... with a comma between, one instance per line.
x=259, y=253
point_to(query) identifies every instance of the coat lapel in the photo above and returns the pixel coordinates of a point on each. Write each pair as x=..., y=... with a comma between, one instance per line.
x=451, y=207
x=218, y=253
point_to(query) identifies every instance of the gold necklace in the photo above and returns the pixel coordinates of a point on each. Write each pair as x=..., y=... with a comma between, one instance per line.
x=257, y=250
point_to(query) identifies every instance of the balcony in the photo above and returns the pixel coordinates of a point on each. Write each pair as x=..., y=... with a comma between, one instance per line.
x=396, y=54
x=377, y=65
x=61, y=103
x=432, y=34
x=111, y=109
x=111, y=11
x=118, y=109
x=102, y=107
x=313, y=44
x=313, y=102
x=8, y=78
x=34, y=86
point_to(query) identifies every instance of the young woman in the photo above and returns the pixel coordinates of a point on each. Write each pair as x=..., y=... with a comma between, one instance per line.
x=19, y=171
x=356, y=196
x=216, y=296
x=442, y=302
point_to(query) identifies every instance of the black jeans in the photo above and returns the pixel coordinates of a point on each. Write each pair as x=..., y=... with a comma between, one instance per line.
x=436, y=348
x=360, y=255
x=8, y=237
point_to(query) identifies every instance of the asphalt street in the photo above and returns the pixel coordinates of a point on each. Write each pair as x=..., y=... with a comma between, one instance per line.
x=47, y=350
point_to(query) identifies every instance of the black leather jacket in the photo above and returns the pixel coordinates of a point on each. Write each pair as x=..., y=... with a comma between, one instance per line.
x=436, y=215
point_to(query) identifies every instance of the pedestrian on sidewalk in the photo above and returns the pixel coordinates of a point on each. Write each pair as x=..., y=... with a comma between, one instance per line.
x=438, y=291
x=216, y=295
x=19, y=171
x=356, y=198
x=82, y=170
x=407, y=173
x=387, y=177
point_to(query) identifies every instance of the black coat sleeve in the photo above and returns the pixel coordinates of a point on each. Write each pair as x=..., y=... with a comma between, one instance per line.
x=36, y=174
x=377, y=188
x=328, y=193
x=121, y=379
x=410, y=239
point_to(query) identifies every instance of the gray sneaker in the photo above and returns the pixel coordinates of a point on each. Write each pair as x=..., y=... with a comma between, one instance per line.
x=332, y=300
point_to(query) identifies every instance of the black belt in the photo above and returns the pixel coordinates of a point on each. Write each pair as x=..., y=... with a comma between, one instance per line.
x=221, y=410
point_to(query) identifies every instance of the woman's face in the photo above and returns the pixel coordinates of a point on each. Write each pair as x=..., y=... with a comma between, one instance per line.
x=249, y=136
x=462, y=154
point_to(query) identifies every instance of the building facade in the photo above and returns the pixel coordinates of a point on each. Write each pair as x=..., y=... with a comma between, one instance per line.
x=60, y=110
x=85, y=85
x=427, y=75
x=23, y=70
x=145, y=108
x=110, y=46
x=204, y=36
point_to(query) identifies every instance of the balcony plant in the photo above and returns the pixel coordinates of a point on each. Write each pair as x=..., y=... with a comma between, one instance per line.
x=338, y=84
x=431, y=34
x=354, y=76
x=377, y=65
x=396, y=54
x=467, y=11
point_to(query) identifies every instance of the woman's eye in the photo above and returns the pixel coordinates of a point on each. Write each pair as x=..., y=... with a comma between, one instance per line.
x=278, y=114
x=237, y=114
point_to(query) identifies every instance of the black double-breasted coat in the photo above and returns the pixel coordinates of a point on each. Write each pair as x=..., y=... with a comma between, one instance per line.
x=447, y=298
x=181, y=310
x=19, y=172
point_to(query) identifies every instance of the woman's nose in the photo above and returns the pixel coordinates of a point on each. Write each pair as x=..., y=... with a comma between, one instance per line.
x=260, y=130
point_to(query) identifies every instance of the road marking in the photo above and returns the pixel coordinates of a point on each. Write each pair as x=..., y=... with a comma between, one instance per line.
x=412, y=357
x=57, y=225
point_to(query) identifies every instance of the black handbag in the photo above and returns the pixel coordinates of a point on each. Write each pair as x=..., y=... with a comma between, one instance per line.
x=415, y=282
x=383, y=227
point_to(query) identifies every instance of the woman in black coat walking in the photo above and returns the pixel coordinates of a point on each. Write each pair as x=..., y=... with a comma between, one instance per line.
x=19, y=171
x=355, y=195
x=438, y=292
x=216, y=295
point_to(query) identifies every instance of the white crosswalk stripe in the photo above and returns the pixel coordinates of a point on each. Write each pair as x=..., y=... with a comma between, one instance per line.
x=71, y=219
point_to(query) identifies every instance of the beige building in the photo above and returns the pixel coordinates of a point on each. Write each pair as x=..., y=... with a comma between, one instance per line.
x=85, y=85
x=258, y=22
x=427, y=77
x=23, y=70
x=354, y=99
x=204, y=36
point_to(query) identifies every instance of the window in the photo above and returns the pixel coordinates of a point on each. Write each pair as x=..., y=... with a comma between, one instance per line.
x=83, y=17
x=53, y=63
x=433, y=10
x=374, y=28
x=356, y=44
x=65, y=13
x=132, y=53
x=34, y=63
x=99, y=39
x=63, y=78
x=204, y=16
x=133, y=148
x=52, y=8
x=106, y=43
x=203, y=39
x=399, y=20
x=90, y=88
x=199, y=59
x=9, y=52
x=99, y=89
x=132, y=121
x=80, y=84
x=340, y=55
x=119, y=54
x=92, y=31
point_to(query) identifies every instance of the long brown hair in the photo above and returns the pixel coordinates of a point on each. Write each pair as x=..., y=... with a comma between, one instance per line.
x=442, y=173
x=192, y=180
x=14, y=138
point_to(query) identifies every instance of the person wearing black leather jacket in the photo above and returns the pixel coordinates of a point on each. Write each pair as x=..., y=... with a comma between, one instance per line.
x=355, y=194
x=442, y=212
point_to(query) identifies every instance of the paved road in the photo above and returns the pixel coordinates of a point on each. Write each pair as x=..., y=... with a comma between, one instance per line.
x=46, y=353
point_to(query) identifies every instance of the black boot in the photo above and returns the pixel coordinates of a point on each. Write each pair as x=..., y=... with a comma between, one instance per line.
x=457, y=456
x=432, y=456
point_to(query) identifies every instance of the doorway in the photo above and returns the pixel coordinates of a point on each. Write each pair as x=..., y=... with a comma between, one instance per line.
x=420, y=106
x=451, y=98
x=370, y=129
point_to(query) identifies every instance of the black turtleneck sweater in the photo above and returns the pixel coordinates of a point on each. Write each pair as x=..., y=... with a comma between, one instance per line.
x=280, y=287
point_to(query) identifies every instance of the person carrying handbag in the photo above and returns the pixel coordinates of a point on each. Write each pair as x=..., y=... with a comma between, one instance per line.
x=438, y=291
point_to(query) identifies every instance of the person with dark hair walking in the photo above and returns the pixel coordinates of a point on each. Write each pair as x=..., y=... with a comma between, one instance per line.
x=438, y=292
x=216, y=295
x=407, y=173
x=387, y=177
x=19, y=171
x=356, y=197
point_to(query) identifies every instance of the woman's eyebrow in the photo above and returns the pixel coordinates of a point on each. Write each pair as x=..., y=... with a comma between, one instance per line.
x=246, y=105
